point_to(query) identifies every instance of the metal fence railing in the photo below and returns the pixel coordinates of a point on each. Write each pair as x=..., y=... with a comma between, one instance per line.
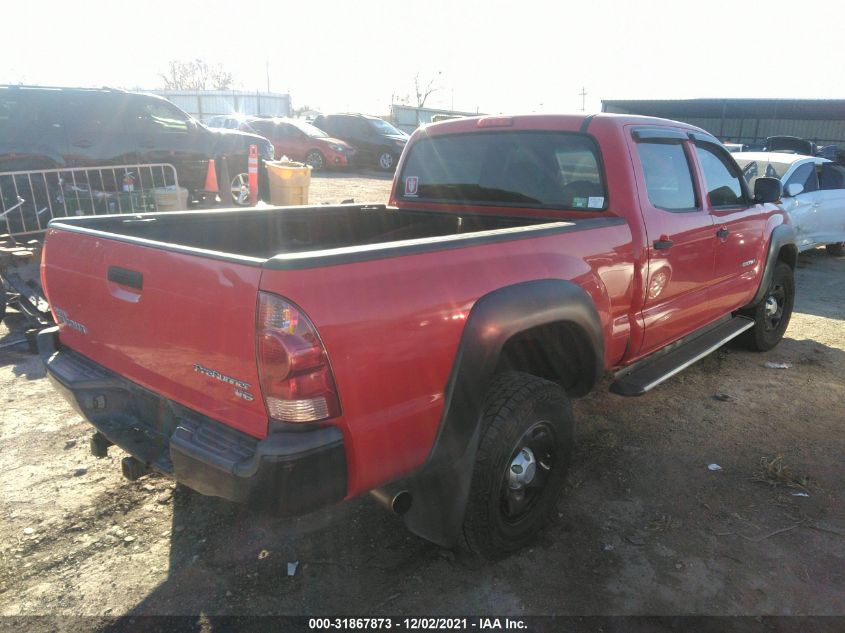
x=30, y=199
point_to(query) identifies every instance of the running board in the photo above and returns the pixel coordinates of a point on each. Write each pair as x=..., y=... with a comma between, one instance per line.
x=650, y=373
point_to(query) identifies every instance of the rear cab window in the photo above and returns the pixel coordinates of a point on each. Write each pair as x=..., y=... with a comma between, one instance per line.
x=528, y=169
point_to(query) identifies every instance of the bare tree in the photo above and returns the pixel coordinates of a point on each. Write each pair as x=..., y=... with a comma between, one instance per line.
x=423, y=92
x=196, y=75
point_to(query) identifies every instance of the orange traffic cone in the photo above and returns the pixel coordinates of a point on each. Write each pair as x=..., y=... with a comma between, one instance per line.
x=211, y=178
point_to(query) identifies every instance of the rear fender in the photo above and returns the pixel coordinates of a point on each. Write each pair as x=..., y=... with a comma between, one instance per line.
x=441, y=486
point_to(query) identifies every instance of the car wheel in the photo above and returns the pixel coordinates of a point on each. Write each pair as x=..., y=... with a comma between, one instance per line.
x=386, y=160
x=771, y=316
x=835, y=250
x=240, y=190
x=315, y=160
x=523, y=456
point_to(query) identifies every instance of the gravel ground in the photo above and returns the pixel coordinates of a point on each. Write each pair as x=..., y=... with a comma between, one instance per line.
x=644, y=527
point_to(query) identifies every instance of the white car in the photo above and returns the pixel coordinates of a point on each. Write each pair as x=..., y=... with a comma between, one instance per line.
x=813, y=194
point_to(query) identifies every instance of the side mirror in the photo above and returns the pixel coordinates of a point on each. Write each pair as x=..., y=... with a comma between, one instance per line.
x=767, y=189
x=793, y=189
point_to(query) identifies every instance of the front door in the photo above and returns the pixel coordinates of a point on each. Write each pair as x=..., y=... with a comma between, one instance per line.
x=739, y=226
x=165, y=134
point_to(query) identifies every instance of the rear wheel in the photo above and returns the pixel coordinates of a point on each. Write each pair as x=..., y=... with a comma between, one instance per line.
x=835, y=250
x=315, y=160
x=522, y=460
x=240, y=190
x=386, y=160
x=771, y=316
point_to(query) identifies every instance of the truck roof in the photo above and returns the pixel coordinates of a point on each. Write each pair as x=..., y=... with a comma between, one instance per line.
x=566, y=122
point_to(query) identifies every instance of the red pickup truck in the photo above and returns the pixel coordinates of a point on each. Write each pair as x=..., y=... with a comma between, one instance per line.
x=426, y=350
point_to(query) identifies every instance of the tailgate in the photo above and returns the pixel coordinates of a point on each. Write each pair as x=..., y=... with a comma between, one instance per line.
x=181, y=325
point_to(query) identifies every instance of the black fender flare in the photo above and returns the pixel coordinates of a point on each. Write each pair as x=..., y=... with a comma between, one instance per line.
x=440, y=488
x=782, y=235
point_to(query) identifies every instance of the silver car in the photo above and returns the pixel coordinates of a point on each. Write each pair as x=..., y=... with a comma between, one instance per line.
x=813, y=194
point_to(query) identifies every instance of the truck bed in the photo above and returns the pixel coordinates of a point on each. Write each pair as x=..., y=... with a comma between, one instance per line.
x=259, y=235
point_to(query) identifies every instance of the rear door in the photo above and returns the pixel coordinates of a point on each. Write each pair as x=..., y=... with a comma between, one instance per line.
x=681, y=237
x=294, y=141
x=739, y=225
x=181, y=325
x=96, y=127
x=830, y=214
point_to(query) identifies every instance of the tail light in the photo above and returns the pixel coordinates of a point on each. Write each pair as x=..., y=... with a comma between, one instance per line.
x=296, y=379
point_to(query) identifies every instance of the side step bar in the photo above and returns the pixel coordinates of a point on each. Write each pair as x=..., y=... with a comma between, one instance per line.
x=650, y=373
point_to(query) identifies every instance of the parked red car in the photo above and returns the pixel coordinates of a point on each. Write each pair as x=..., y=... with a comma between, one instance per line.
x=301, y=141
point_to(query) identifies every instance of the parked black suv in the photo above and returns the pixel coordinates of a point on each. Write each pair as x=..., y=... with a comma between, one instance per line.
x=377, y=141
x=45, y=128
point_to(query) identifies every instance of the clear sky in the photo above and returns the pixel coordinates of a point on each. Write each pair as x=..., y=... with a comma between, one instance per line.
x=522, y=56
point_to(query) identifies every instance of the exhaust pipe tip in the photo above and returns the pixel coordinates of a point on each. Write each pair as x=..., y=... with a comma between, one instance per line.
x=402, y=502
x=397, y=501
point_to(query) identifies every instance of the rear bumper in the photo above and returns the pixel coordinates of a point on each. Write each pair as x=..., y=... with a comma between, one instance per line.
x=291, y=472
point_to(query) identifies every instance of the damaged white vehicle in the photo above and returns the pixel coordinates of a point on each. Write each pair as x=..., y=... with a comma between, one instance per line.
x=813, y=195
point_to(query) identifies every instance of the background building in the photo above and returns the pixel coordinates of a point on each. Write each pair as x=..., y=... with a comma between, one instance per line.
x=204, y=104
x=749, y=120
x=409, y=118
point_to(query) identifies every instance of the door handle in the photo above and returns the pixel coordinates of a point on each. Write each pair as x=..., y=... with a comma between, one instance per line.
x=126, y=277
x=663, y=245
x=722, y=233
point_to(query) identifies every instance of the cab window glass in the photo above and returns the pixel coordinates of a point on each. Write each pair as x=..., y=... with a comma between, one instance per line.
x=724, y=188
x=88, y=114
x=832, y=176
x=21, y=114
x=164, y=118
x=264, y=128
x=668, y=178
x=805, y=176
x=524, y=168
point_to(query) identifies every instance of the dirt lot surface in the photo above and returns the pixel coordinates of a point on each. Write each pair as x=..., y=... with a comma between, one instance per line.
x=644, y=526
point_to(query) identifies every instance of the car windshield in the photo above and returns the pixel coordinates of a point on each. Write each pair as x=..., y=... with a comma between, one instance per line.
x=383, y=127
x=535, y=169
x=310, y=130
x=754, y=169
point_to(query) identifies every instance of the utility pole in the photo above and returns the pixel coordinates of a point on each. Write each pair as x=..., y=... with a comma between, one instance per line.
x=583, y=94
x=268, y=75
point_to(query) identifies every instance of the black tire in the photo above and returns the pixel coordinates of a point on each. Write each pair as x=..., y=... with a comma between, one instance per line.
x=835, y=250
x=386, y=160
x=315, y=160
x=521, y=411
x=771, y=316
x=3, y=299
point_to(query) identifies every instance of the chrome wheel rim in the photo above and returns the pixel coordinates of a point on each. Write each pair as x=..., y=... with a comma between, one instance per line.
x=773, y=307
x=240, y=189
x=527, y=472
x=385, y=161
